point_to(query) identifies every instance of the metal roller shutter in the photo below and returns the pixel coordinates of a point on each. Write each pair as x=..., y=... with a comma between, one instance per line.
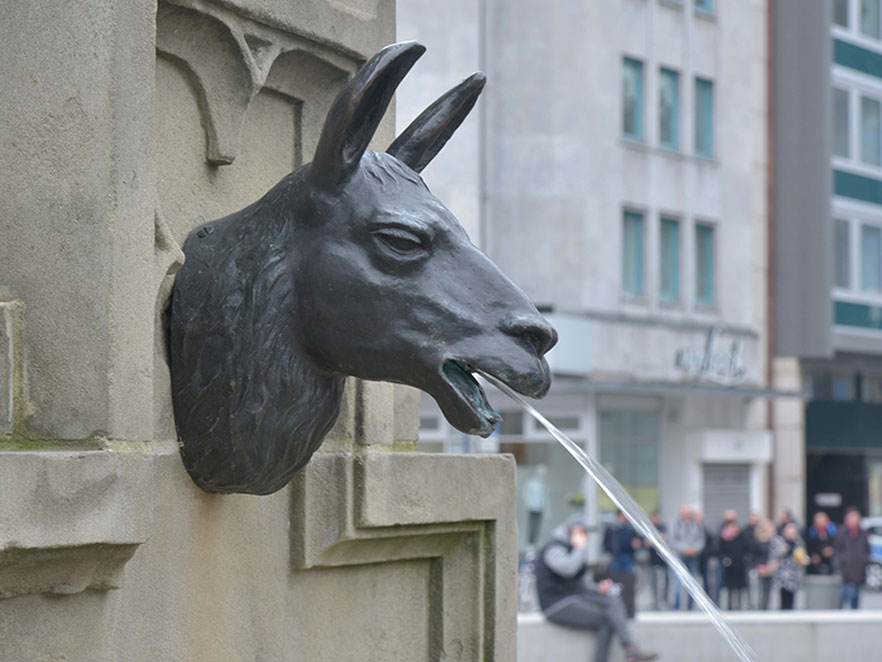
x=725, y=486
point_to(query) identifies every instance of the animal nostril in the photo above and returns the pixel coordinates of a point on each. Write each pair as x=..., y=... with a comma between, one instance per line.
x=536, y=333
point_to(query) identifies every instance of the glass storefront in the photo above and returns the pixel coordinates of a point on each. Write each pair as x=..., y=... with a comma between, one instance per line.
x=629, y=449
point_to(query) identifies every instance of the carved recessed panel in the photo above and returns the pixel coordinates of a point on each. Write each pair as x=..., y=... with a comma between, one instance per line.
x=228, y=57
x=380, y=508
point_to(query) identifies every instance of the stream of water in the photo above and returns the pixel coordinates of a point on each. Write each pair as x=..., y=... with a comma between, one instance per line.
x=641, y=522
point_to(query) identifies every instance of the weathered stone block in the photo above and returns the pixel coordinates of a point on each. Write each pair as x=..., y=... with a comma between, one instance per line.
x=70, y=520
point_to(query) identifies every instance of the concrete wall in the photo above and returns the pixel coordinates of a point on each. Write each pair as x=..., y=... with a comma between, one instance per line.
x=795, y=637
x=802, y=125
x=130, y=123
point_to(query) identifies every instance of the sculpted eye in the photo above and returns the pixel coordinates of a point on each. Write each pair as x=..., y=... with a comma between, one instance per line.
x=400, y=241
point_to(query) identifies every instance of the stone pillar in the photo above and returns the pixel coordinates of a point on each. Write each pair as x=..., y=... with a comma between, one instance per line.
x=125, y=126
x=788, y=478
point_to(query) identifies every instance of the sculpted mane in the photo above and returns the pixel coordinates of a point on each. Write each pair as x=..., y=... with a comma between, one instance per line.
x=276, y=406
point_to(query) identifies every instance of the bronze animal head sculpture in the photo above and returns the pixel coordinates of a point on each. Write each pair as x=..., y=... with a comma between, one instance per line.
x=348, y=266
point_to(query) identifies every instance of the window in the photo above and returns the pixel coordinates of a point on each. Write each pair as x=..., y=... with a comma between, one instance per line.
x=704, y=117
x=840, y=123
x=512, y=423
x=429, y=422
x=842, y=387
x=842, y=258
x=632, y=254
x=840, y=12
x=872, y=391
x=632, y=98
x=871, y=131
x=629, y=449
x=668, y=108
x=704, y=5
x=669, y=259
x=871, y=259
x=870, y=18
x=704, y=264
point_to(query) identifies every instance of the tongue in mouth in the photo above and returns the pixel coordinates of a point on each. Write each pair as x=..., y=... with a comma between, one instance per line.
x=471, y=396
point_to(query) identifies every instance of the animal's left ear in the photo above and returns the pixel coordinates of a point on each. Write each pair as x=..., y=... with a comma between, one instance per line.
x=357, y=111
x=428, y=133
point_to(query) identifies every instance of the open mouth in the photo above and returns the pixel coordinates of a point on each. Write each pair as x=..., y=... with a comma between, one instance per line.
x=458, y=375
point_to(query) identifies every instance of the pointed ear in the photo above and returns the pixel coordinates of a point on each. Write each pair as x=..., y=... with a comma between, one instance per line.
x=428, y=133
x=357, y=111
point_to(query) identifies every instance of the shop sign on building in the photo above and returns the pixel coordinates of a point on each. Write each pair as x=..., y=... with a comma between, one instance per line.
x=716, y=362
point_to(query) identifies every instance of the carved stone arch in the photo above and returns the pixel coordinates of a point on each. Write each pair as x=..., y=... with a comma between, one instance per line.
x=209, y=51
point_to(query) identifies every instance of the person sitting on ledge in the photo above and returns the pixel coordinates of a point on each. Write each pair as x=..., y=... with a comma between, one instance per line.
x=569, y=598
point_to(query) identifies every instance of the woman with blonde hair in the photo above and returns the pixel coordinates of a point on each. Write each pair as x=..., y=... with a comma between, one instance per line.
x=789, y=550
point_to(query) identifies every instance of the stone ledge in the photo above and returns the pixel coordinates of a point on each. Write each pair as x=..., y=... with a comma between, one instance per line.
x=809, y=636
x=70, y=520
x=62, y=570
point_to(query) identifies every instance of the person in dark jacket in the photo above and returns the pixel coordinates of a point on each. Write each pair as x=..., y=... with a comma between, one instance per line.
x=568, y=597
x=853, y=554
x=620, y=542
x=658, y=567
x=819, y=539
x=733, y=552
x=708, y=563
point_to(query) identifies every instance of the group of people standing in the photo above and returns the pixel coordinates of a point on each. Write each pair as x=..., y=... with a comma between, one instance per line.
x=779, y=555
x=569, y=594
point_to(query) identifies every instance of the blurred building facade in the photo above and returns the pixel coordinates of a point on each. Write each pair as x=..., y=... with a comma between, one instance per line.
x=827, y=229
x=620, y=156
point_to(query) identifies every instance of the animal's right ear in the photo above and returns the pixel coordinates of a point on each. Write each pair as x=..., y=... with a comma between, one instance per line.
x=428, y=133
x=357, y=111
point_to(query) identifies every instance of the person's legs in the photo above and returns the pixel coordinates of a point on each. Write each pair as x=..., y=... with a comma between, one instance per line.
x=787, y=599
x=667, y=591
x=659, y=586
x=602, y=642
x=678, y=589
x=585, y=611
x=692, y=564
x=850, y=596
x=718, y=581
x=765, y=592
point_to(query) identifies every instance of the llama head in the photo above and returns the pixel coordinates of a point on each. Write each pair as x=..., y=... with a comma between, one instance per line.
x=349, y=266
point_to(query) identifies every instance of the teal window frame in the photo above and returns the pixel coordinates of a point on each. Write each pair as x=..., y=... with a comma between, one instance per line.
x=705, y=255
x=635, y=66
x=671, y=124
x=633, y=229
x=705, y=6
x=704, y=117
x=669, y=260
